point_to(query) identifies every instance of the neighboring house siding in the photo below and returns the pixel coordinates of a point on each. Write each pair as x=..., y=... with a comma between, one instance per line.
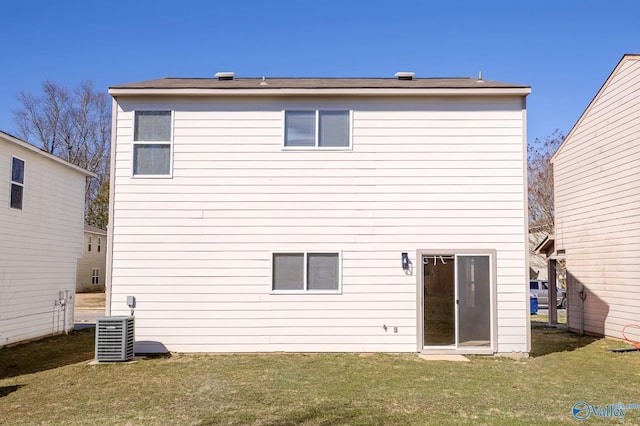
x=94, y=259
x=195, y=250
x=39, y=245
x=597, y=199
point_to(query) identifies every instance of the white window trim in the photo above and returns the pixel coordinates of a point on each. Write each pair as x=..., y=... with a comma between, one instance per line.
x=24, y=180
x=317, y=122
x=135, y=142
x=95, y=276
x=99, y=245
x=89, y=243
x=305, y=290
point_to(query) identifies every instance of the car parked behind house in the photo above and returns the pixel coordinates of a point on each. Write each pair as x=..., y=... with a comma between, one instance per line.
x=541, y=289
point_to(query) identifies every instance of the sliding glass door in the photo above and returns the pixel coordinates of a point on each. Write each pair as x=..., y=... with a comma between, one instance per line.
x=456, y=292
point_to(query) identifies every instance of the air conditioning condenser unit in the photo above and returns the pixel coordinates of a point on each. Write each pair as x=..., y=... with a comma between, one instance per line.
x=115, y=338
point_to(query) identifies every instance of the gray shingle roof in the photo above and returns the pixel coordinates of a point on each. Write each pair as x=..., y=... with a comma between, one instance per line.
x=317, y=83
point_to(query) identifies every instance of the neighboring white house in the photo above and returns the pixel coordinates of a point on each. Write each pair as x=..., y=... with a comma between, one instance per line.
x=91, y=266
x=332, y=214
x=41, y=222
x=597, y=200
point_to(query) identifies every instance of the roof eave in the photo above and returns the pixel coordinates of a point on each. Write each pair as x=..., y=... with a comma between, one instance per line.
x=489, y=91
x=545, y=244
x=626, y=57
x=45, y=154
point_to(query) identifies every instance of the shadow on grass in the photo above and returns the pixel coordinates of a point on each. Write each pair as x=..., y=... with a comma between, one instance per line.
x=47, y=353
x=325, y=414
x=6, y=390
x=546, y=339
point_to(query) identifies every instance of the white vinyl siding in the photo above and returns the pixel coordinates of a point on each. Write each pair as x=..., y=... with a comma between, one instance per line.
x=597, y=199
x=39, y=245
x=423, y=174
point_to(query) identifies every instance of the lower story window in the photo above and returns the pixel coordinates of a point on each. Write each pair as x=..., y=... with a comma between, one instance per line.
x=306, y=272
x=95, y=276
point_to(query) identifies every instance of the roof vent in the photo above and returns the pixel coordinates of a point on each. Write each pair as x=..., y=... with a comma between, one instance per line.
x=403, y=75
x=225, y=75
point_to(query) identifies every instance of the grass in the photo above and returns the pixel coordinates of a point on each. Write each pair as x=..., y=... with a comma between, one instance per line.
x=48, y=382
x=543, y=317
x=90, y=301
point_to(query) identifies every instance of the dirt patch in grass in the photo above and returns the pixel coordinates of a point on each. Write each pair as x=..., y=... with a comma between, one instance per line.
x=90, y=301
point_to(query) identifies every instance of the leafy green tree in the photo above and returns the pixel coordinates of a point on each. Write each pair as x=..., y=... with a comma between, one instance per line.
x=98, y=213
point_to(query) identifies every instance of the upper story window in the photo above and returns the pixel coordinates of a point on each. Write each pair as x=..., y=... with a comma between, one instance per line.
x=17, y=183
x=89, y=241
x=99, y=244
x=317, y=129
x=152, y=137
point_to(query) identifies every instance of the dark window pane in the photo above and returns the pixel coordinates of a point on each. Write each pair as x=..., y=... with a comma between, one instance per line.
x=288, y=271
x=334, y=129
x=16, y=196
x=474, y=300
x=17, y=170
x=152, y=159
x=322, y=271
x=300, y=128
x=152, y=126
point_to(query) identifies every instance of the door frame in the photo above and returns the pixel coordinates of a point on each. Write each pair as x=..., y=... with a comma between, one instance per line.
x=443, y=350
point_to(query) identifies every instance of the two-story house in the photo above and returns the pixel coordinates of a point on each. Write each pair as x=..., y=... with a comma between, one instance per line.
x=41, y=222
x=328, y=214
x=90, y=275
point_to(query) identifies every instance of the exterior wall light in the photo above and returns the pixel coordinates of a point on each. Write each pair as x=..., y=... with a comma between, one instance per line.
x=405, y=261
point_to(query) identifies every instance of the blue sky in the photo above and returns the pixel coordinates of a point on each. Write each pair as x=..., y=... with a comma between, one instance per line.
x=564, y=49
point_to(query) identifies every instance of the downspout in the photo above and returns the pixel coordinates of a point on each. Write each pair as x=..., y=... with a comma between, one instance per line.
x=112, y=181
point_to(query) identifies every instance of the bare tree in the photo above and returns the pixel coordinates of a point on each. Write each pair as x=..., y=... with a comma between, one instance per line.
x=74, y=125
x=540, y=177
x=541, y=207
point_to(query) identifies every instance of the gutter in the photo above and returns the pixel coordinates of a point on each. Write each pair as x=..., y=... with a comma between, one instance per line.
x=320, y=92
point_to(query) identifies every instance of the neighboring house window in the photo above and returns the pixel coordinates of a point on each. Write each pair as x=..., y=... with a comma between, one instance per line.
x=152, y=136
x=17, y=183
x=317, y=129
x=306, y=272
x=89, y=244
x=99, y=244
x=95, y=276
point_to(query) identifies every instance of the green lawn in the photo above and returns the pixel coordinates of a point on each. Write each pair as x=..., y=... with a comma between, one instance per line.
x=49, y=382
